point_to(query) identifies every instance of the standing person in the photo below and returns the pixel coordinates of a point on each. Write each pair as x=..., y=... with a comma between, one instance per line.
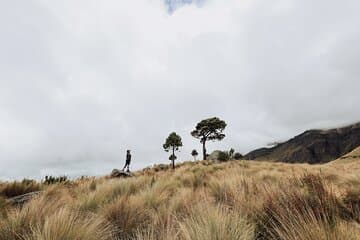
x=128, y=160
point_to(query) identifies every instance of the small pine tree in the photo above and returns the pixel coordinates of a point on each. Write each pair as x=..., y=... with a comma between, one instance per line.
x=194, y=153
x=172, y=143
x=231, y=152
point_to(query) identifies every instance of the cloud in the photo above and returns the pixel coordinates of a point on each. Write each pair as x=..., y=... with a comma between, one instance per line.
x=173, y=5
x=83, y=81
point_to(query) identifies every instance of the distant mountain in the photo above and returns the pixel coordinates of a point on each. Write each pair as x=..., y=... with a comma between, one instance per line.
x=313, y=146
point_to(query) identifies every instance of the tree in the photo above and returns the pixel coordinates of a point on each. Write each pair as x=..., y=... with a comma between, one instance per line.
x=172, y=143
x=209, y=129
x=231, y=152
x=194, y=153
x=173, y=158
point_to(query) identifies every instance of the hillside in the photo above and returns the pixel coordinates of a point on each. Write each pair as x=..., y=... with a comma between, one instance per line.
x=354, y=154
x=235, y=200
x=313, y=146
x=348, y=161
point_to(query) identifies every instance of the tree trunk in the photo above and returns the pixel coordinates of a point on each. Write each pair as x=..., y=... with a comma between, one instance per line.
x=204, y=150
x=173, y=161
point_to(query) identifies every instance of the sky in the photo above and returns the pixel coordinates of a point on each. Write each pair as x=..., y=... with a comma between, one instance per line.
x=82, y=81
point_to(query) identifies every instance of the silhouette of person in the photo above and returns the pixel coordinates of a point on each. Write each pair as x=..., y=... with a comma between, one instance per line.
x=128, y=160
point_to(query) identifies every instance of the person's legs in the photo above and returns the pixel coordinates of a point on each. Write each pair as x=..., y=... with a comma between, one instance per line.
x=126, y=164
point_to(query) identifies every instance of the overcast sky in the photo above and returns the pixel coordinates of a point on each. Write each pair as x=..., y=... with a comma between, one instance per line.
x=82, y=81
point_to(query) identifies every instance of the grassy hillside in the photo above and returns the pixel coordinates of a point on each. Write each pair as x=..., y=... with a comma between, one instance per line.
x=348, y=162
x=198, y=201
x=355, y=154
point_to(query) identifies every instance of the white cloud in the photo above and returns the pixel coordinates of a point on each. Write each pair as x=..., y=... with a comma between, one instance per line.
x=82, y=81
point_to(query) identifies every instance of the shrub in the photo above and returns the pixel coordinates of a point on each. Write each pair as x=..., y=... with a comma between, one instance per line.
x=238, y=156
x=53, y=180
x=223, y=156
x=19, y=188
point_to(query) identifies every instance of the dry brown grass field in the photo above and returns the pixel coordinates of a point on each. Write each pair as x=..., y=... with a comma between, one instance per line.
x=240, y=200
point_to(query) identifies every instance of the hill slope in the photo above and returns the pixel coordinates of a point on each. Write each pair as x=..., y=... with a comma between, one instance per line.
x=348, y=161
x=354, y=154
x=202, y=200
x=313, y=146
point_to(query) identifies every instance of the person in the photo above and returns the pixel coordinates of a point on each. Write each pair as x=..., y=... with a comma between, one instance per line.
x=128, y=160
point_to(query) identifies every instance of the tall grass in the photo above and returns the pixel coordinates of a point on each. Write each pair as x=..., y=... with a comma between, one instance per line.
x=127, y=215
x=69, y=224
x=18, y=188
x=200, y=200
x=215, y=222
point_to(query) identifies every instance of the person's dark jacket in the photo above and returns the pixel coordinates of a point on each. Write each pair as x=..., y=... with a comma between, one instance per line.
x=128, y=158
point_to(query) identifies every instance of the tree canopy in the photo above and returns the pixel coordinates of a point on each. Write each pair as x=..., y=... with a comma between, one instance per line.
x=194, y=153
x=209, y=129
x=173, y=143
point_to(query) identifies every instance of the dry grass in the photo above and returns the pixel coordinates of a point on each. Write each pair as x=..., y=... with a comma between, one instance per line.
x=18, y=188
x=215, y=222
x=199, y=200
x=70, y=224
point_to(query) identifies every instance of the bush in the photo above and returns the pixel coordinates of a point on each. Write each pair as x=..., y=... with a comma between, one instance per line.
x=238, y=156
x=53, y=180
x=19, y=188
x=223, y=156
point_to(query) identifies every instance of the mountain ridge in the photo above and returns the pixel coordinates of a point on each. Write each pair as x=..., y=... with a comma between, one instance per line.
x=312, y=146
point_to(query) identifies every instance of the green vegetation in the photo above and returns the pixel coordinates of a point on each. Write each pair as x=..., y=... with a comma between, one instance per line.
x=231, y=152
x=209, y=129
x=238, y=156
x=18, y=188
x=172, y=143
x=194, y=153
x=53, y=180
x=224, y=156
